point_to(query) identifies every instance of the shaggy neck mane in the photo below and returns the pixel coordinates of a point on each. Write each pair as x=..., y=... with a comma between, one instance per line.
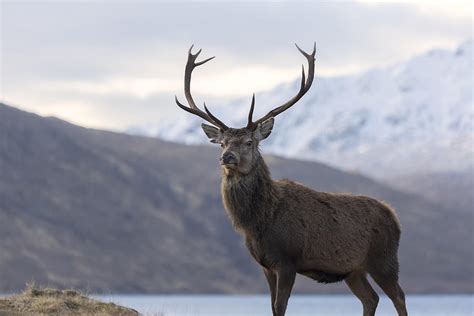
x=247, y=197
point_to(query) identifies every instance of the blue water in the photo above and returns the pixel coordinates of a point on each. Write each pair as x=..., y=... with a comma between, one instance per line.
x=299, y=305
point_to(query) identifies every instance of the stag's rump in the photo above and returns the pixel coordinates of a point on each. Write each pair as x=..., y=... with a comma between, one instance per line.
x=337, y=233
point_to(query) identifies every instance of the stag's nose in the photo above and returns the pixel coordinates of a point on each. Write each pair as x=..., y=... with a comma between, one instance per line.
x=228, y=158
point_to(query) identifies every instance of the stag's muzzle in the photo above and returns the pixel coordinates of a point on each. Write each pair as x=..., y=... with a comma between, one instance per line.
x=229, y=158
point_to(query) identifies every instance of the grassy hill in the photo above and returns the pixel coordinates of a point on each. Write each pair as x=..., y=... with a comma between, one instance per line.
x=109, y=212
x=36, y=301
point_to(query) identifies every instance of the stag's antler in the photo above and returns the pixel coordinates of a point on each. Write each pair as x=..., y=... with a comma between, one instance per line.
x=305, y=85
x=208, y=116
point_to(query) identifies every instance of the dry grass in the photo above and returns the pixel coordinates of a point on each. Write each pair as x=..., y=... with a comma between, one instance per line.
x=38, y=302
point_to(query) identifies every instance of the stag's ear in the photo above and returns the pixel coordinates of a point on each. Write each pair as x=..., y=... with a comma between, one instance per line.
x=264, y=129
x=214, y=134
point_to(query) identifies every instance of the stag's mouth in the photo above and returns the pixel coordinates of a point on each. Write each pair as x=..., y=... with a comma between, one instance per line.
x=232, y=165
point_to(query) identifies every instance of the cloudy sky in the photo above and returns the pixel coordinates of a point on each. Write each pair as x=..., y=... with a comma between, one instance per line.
x=112, y=65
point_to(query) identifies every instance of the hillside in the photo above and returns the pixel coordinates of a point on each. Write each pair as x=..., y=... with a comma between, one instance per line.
x=103, y=211
x=453, y=190
x=412, y=117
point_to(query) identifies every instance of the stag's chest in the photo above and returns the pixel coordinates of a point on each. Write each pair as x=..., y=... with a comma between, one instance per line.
x=238, y=203
x=249, y=200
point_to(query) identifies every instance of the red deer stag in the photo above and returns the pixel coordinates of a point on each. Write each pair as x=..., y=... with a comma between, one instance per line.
x=289, y=228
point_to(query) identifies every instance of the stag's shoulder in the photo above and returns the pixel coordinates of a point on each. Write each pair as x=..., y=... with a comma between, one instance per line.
x=290, y=184
x=296, y=191
x=293, y=188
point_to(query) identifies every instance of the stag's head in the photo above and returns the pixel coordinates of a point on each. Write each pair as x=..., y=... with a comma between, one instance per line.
x=240, y=145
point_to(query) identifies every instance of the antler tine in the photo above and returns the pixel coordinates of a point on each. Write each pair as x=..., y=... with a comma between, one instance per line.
x=249, y=122
x=190, y=65
x=194, y=111
x=313, y=53
x=305, y=85
x=215, y=119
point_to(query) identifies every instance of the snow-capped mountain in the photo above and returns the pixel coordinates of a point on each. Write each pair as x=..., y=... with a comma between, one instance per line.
x=416, y=116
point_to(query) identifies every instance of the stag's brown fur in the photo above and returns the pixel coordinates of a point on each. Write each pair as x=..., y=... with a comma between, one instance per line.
x=325, y=235
x=289, y=228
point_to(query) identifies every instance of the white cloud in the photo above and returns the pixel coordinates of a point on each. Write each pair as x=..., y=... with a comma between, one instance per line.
x=454, y=9
x=95, y=55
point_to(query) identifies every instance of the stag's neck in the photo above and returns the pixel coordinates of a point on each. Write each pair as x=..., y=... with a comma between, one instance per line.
x=249, y=199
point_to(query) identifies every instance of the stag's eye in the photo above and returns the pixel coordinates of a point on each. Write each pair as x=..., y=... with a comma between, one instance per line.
x=249, y=143
x=222, y=145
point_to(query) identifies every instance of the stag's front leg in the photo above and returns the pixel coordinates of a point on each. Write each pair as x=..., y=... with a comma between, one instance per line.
x=272, y=284
x=285, y=280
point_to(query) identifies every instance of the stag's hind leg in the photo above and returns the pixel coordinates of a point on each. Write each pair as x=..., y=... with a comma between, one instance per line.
x=389, y=284
x=360, y=286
